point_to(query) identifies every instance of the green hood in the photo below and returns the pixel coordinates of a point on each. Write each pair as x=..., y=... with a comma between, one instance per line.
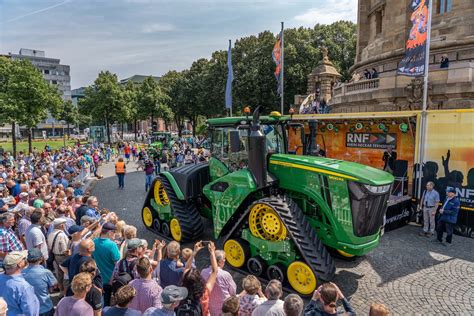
x=336, y=168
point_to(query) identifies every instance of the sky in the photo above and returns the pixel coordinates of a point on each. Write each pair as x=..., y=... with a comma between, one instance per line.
x=149, y=37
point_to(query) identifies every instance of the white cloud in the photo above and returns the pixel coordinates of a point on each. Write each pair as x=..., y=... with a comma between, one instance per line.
x=158, y=27
x=333, y=10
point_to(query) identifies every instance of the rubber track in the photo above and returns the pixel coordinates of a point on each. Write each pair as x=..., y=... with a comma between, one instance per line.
x=186, y=212
x=305, y=239
x=311, y=248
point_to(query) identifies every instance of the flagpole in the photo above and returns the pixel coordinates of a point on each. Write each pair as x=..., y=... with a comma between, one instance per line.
x=282, y=72
x=421, y=149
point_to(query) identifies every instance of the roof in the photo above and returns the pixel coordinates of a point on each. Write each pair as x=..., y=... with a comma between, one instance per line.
x=138, y=79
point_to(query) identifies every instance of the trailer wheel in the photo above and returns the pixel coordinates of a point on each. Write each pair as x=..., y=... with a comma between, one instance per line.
x=237, y=252
x=301, y=278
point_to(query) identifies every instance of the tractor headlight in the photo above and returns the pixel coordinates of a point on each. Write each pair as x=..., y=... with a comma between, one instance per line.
x=377, y=189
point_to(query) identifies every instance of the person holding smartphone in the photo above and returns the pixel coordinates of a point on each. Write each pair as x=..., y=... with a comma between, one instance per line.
x=324, y=302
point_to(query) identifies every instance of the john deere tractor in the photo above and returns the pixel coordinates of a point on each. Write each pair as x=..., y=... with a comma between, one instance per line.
x=278, y=215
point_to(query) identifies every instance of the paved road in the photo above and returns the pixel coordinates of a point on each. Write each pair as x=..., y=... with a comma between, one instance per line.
x=406, y=272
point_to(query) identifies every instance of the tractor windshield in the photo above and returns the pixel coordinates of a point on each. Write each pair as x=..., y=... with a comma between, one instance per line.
x=220, y=148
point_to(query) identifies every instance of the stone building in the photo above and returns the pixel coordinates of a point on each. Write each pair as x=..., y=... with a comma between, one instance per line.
x=383, y=27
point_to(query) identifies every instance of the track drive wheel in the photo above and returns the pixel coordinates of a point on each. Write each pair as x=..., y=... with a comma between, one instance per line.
x=265, y=223
x=159, y=193
x=175, y=229
x=237, y=252
x=301, y=278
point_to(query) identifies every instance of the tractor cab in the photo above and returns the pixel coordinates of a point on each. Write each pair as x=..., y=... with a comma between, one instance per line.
x=160, y=140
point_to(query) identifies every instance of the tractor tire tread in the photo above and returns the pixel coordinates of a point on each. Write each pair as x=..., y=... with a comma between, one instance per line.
x=186, y=213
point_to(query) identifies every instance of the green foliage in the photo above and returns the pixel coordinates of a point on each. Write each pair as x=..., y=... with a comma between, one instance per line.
x=25, y=97
x=200, y=90
x=104, y=100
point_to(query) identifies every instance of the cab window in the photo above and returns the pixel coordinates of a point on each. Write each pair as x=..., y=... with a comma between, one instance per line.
x=220, y=148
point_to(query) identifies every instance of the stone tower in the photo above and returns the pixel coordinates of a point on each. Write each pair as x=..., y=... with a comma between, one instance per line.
x=323, y=77
x=383, y=27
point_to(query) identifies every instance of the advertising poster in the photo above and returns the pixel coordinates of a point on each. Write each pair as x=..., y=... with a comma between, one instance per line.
x=413, y=64
x=449, y=156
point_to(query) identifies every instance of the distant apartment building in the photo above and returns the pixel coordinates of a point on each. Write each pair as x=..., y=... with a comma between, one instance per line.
x=55, y=74
x=77, y=94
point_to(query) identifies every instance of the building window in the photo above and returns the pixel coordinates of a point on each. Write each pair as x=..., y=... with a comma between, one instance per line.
x=444, y=6
x=54, y=81
x=378, y=22
x=46, y=71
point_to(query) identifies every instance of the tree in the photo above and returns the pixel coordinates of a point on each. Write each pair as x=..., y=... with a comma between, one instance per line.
x=104, y=100
x=69, y=114
x=152, y=100
x=130, y=95
x=173, y=83
x=27, y=97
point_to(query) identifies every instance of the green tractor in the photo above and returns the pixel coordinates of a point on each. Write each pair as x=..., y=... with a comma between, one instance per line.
x=160, y=140
x=277, y=215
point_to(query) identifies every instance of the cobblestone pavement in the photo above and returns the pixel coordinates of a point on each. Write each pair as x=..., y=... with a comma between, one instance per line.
x=408, y=273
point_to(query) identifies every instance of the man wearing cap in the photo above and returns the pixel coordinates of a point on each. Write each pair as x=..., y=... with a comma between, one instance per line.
x=449, y=216
x=76, y=232
x=106, y=255
x=58, y=243
x=8, y=240
x=42, y=280
x=19, y=294
x=34, y=236
x=135, y=250
x=171, y=296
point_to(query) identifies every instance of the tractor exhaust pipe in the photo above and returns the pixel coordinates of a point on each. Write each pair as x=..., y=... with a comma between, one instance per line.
x=257, y=151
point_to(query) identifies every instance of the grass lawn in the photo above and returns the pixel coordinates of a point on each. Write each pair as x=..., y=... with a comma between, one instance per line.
x=39, y=144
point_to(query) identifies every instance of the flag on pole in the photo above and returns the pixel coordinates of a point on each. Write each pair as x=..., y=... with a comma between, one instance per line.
x=230, y=78
x=413, y=64
x=277, y=58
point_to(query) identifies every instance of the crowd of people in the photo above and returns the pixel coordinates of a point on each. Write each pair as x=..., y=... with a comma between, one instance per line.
x=55, y=240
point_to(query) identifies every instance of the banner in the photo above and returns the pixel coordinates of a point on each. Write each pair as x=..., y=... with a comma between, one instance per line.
x=413, y=64
x=276, y=55
x=449, y=161
x=230, y=78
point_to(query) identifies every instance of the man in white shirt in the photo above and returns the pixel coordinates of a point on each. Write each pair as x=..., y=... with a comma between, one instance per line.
x=34, y=236
x=60, y=249
x=274, y=305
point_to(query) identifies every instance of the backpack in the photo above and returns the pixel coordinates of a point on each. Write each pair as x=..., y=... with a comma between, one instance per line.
x=124, y=275
x=189, y=308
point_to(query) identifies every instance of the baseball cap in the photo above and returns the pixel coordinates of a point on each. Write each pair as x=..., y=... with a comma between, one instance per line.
x=58, y=221
x=23, y=195
x=75, y=229
x=172, y=294
x=108, y=226
x=134, y=243
x=13, y=258
x=451, y=189
x=34, y=254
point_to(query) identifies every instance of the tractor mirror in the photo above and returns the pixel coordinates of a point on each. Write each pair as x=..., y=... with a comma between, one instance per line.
x=234, y=138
